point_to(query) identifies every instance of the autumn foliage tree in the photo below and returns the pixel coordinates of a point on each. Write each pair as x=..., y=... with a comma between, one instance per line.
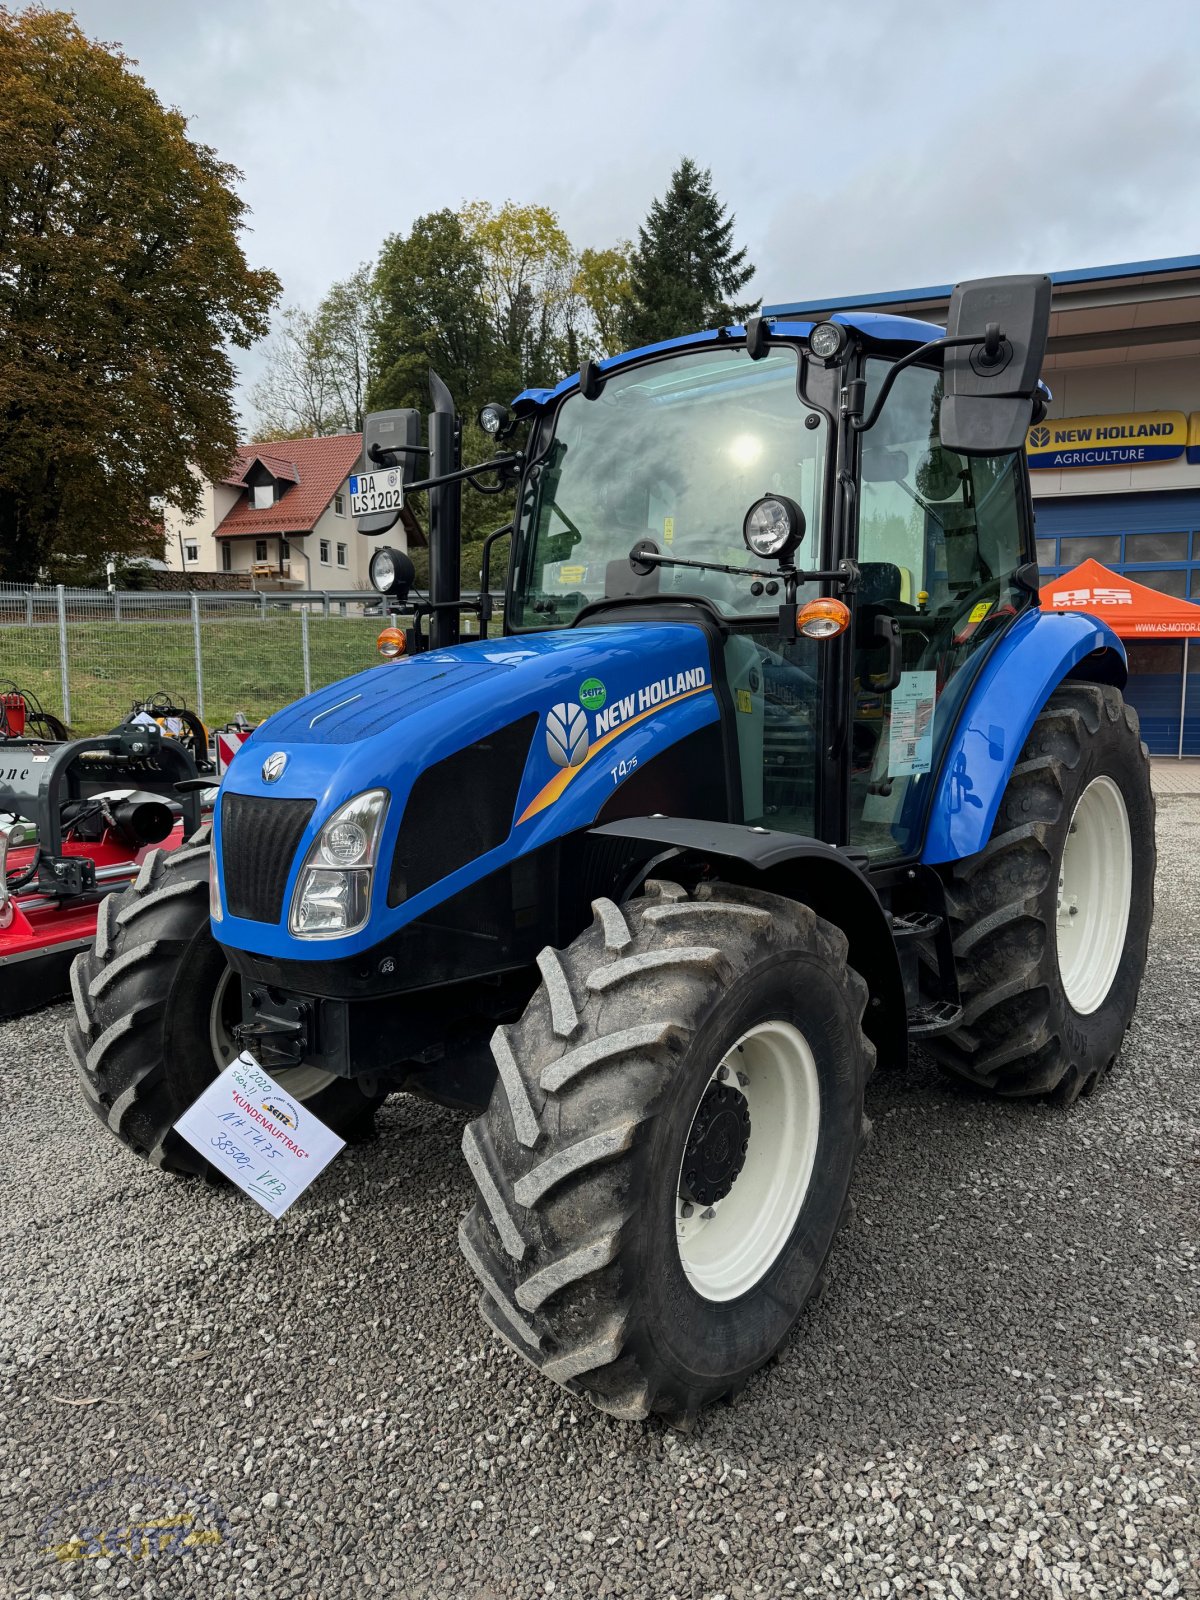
x=122, y=285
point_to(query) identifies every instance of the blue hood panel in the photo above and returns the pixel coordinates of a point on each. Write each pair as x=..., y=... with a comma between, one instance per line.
x=374, y=700
x=606, y=699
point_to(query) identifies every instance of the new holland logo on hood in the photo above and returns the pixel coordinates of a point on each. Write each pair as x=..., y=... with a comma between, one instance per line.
x=568, y=742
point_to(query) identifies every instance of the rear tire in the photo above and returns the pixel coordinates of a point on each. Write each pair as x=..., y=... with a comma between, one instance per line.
x=1048, y=992
x=608, y=1120
x=154, y=999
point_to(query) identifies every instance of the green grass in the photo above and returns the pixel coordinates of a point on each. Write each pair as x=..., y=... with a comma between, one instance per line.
x=250, y=664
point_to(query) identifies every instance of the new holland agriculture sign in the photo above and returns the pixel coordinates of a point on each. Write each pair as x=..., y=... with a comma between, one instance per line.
x=1114, y=441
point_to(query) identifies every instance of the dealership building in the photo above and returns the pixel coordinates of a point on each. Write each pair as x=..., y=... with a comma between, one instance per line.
x=1115, y=465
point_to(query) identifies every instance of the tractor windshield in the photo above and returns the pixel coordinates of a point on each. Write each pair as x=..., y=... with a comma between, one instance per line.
x=675, y=450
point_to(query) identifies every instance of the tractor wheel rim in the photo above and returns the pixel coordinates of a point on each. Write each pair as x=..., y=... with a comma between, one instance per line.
x=302, y=1083
x=1095, y=880
x=728, y=1247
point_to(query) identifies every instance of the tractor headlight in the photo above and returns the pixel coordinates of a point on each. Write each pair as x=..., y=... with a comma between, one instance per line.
x=215, y=909
x=774, y=526
x=333, y=892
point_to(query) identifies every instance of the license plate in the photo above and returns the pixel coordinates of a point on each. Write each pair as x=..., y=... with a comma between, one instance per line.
x=376, y=491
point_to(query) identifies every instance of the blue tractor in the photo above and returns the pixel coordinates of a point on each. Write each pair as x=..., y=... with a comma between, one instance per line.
x=776, y=769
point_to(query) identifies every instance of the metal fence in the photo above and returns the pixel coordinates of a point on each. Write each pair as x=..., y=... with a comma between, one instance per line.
x=88, y=654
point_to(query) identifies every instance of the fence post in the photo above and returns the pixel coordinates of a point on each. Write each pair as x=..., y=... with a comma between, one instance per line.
x=199, y=659
x=116, y=594
x=325, y=598
x=304, y=649
x=29, y=608
x=64, y=675
x=262, y=604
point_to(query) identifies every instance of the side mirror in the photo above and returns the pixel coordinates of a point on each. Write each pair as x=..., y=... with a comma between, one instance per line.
x=991, y=384
x=399, y=432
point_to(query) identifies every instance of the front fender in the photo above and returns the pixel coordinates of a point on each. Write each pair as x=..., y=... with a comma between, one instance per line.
x=1014, y=683
x=830, y=881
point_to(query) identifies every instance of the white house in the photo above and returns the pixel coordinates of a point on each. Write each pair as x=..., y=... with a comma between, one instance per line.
x=281, y=514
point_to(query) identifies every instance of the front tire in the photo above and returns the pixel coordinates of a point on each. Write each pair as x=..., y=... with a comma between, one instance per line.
x=1051, y=920
x=154, y=1006
x=667, y=1155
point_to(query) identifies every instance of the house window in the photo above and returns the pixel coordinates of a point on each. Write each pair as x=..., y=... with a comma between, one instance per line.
x=339, y=505
x=191, y=550
x=324, y=552
x=263, y=496
x=260, y=549
x=341, y=555
x=226, y=556
x=285, y=550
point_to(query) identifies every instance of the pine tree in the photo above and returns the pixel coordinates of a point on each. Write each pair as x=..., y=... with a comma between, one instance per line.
x=685, y=270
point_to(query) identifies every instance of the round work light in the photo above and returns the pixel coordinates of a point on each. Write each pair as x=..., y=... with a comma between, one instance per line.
x=391, y=571
x=773, y=527
x=495, y=419
x=827, y=340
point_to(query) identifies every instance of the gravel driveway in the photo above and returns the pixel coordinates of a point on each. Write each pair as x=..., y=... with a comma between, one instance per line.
x=997, y=1396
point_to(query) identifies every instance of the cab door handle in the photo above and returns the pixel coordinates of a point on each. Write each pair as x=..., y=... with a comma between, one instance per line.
x=887, y=631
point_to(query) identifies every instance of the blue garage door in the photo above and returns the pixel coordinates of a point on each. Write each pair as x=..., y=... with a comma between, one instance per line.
x=1155, y=538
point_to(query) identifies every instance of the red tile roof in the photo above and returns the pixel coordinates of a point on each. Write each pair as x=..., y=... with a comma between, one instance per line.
x=314, y=470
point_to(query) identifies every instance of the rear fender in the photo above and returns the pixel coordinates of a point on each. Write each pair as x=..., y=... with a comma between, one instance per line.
x=1018, y=676
x=829, y=881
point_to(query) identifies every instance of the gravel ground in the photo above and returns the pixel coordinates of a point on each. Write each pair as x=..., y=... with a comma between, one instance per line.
x=997, y=1395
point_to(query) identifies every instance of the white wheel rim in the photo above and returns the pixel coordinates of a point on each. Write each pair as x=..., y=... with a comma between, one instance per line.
x=727, y=1248
x=1095, y=881
x=301, y=1083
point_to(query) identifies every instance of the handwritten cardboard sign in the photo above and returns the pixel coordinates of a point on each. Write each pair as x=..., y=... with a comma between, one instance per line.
x=266, y=1141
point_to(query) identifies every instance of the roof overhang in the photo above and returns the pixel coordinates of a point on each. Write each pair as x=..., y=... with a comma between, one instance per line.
x=1130, y=311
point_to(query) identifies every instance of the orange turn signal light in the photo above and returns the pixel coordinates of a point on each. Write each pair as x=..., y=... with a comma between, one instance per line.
x=391, y=643
x=823, y=619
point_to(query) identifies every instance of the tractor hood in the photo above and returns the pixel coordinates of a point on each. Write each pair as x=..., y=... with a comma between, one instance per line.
x=547, y=724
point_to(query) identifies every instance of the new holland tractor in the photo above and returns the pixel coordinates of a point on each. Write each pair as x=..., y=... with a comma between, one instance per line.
x=776, y=769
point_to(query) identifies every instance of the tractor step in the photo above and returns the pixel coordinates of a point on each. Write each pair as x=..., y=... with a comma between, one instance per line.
x=937, y=1017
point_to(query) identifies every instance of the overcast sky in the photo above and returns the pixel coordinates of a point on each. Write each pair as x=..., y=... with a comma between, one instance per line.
x=862, y=146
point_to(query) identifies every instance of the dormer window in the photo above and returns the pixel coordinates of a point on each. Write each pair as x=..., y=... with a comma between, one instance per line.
x=262, y=496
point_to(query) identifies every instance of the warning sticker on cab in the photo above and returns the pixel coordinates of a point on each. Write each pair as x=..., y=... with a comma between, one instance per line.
x=910, y=736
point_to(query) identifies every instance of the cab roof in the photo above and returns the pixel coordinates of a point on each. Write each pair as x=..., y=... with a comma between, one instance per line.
x=877, y=328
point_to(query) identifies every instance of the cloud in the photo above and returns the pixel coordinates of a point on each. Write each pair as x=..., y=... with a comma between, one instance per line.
x=887, y=144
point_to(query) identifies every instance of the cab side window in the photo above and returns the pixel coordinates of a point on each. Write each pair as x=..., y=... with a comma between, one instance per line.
x=939, y=540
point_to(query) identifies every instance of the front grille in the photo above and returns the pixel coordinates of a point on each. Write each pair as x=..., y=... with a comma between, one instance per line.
x=459, y=809
x=258, y=841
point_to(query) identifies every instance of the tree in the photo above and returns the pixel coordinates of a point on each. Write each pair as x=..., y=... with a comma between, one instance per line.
x=430, y=297
x=685, y=271
x=122, y=284
x=604, y=283
x=318, y=366
x=529, y=270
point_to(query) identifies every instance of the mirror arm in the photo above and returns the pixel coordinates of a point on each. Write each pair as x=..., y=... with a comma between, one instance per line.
x=863, y=424
x=500, y=464
x=382, y=455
